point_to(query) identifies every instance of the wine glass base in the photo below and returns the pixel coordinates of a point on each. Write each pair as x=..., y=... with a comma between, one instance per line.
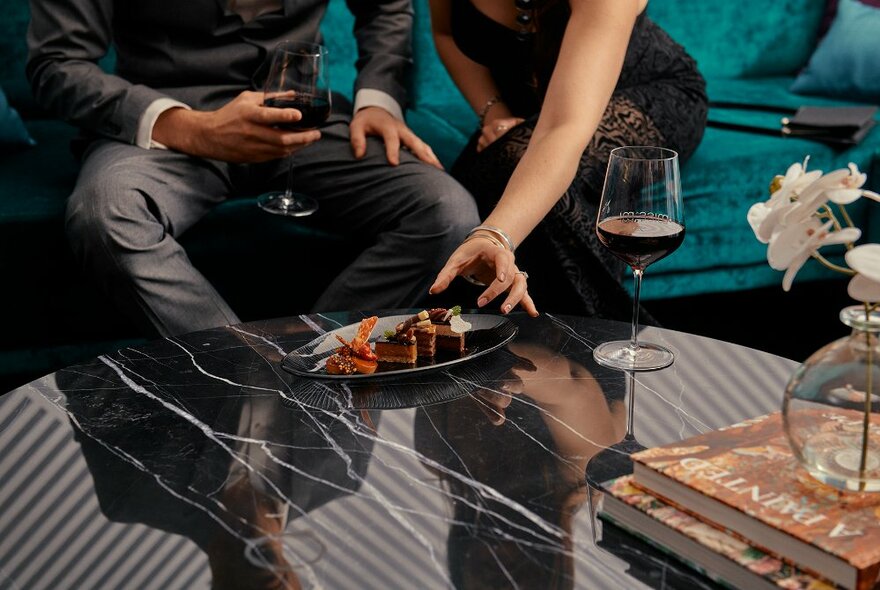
x=278, y=204
x=619, y=354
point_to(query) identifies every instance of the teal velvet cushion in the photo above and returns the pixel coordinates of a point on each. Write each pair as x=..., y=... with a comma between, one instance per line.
x=742, y=38
x=13, y=133
x=336, y=29
x=846, y=64
x=729, y=172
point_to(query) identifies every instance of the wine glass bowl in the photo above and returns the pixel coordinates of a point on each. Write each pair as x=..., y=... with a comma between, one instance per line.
x=640, y=221
x=297, y=79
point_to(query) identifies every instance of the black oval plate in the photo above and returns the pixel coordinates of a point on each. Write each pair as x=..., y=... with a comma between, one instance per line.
x=487, y=333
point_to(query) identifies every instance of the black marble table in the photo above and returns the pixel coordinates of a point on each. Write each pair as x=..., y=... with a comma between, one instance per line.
x=197, y=462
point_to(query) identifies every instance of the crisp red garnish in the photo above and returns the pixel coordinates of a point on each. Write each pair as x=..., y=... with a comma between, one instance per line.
x=364, y=331
x=358, y=348
x=365, y=352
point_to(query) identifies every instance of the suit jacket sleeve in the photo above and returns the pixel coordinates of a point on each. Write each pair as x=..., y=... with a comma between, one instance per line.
x=66, y=38
x=383, y=29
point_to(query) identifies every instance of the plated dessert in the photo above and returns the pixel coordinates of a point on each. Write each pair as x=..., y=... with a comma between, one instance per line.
x=417, y=337
x=382, y=348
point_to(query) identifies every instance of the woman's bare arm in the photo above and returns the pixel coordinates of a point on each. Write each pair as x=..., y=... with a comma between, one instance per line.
x=589, y=65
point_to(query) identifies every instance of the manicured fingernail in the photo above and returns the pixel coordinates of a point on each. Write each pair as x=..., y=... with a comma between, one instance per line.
x=482, y=301
x=507, y=308
x=501, y=277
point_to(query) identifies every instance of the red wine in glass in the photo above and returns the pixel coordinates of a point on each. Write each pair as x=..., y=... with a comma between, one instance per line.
x=640, y=240
x=297, y=79
x=314, y=109
x=640, y=221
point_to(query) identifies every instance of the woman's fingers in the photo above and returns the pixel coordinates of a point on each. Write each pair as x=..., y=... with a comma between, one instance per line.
x=444, y=277
x=517, y=292
x=529, y=305
x=495, y=129
x=479, y=259
x=516, y=287
x=503, y=262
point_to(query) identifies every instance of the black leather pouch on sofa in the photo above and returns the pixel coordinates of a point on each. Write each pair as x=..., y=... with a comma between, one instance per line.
x=837, y=126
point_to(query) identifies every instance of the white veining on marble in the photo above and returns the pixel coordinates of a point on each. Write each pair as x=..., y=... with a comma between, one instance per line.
x=271, y=343
x=571, y=331
x=206, y=430
x=406, y=475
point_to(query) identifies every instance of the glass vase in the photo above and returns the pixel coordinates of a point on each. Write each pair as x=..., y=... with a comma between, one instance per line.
x=830, y=410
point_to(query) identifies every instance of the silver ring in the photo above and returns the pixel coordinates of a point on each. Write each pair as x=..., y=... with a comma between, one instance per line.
x=523, y=273
x=501, y=128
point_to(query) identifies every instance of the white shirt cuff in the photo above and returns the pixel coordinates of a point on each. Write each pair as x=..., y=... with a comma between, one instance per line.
x=148, y=119
x=370, y=97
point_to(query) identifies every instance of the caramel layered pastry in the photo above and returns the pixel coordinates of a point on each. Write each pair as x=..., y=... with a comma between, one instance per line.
x=399, y=347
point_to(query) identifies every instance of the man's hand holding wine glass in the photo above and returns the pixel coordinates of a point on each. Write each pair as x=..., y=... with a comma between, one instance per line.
x=241, y=131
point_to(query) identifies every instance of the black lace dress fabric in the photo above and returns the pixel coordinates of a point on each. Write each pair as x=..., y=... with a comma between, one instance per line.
x=660, y=100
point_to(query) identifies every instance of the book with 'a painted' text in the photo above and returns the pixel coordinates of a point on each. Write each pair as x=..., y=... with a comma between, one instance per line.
x=745, y=479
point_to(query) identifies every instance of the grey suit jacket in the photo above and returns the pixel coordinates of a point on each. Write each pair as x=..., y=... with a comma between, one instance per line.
x=194, y=51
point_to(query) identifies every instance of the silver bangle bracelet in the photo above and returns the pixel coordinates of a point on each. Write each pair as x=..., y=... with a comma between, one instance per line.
x=498, y=232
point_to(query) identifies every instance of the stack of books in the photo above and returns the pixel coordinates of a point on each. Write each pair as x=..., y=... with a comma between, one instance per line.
x=735, y=504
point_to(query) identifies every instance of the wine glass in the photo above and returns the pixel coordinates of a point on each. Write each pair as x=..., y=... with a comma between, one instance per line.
x=640, y=221
x=297, y=79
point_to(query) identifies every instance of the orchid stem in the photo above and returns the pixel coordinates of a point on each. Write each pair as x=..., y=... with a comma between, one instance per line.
x=831, y=217
x=849, y=223
x=835, y=267
x=845, y=216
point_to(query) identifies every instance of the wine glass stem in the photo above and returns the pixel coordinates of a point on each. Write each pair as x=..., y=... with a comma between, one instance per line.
x=630, y=413
x=288, y=199
x=637, y=288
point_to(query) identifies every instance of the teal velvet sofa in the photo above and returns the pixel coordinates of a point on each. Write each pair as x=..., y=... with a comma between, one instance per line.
x=749, y=52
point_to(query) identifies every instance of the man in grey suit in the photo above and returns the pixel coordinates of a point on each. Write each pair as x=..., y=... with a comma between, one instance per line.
x=180, y=127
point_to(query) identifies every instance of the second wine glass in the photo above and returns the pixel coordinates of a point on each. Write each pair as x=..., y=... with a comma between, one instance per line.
x=298, y=79
x=640, y=221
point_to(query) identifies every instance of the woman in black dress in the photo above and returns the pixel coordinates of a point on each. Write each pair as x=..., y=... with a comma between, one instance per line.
x=557, y=85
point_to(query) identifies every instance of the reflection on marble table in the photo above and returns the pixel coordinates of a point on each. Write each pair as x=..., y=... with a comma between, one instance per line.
x=197, y=462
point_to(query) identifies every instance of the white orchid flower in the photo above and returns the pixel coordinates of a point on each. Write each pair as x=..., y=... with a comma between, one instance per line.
x=798, y=220
x=850, y=188
x=815, y=196
x=865, y=260
x=796, y=179
x=794, y=244
x=861, y=288
x=765, y=220
x=765, y=217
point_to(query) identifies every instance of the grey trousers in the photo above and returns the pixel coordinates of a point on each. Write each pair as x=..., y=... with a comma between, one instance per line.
x=130, y=206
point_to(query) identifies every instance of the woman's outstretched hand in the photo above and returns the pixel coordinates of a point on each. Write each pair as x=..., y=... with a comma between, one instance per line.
x=482, y=260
